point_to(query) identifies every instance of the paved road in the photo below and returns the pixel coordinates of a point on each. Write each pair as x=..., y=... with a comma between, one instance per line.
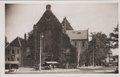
x=82, y=70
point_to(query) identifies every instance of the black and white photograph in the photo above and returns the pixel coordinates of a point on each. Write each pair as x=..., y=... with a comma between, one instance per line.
x=61, y=38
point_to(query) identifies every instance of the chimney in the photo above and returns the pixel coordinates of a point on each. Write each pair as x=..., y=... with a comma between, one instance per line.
x=48, y=7
x=25, y=37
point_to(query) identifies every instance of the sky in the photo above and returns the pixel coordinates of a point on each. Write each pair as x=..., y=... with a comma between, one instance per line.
x=97, y=17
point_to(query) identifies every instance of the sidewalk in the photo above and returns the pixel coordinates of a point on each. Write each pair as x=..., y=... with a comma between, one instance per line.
x=22, y=69
x=99, y=68
x=25, y=69
x=91, y=67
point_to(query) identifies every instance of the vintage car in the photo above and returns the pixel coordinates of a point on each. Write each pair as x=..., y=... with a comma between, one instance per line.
x=49, y=65
x=11, y=66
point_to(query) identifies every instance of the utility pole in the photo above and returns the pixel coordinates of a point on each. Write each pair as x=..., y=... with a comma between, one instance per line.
x=41, y=47
x=93, y=56
x=93, y=43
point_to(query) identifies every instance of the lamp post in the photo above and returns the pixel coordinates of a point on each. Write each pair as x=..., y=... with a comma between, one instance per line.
x=93, y=56
x=93, y=53
x=41, y=49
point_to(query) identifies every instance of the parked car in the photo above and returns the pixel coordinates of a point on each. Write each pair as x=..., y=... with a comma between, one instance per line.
x=11, y=66
x=49, y=65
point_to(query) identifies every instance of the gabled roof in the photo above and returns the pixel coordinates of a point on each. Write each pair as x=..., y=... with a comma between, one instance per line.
x=48, y=20
x=17, y=42
x=66, y=24
x=77, y=35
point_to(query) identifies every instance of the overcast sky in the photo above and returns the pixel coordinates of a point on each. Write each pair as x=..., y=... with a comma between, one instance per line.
x=98, y=17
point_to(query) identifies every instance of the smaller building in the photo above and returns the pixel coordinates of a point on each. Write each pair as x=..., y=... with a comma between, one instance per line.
x=14, y=51
x=79, y=39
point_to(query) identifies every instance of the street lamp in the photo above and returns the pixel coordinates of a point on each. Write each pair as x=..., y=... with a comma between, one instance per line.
x=41, y=49
x=93, y=54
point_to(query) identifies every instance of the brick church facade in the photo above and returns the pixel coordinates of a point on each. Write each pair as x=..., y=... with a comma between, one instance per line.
x=51, y=40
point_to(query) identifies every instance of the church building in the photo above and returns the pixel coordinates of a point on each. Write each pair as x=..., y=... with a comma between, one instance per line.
x=52, y=40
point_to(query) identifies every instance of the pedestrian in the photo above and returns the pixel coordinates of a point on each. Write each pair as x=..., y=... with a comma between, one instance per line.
x=50, y=67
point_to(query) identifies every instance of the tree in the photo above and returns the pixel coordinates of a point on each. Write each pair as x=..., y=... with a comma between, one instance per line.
x=98, y=49
x=114, y=38
x=68, y=54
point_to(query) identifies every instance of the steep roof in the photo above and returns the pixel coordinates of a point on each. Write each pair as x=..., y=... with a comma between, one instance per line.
x=48, y=20
x=17, y=42
x=66, y=24
x=77, y=35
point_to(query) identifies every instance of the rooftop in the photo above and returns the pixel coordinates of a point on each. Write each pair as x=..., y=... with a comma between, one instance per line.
x=17, y=42
x=77, y=35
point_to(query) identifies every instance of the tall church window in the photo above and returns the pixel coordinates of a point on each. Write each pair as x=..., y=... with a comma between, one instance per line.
x=47, y=44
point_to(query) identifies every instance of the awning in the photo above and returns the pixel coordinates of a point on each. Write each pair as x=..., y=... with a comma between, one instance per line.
x=11, y=62
x=51, y=62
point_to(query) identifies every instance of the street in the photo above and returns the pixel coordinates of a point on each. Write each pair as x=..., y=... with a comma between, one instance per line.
x=81, y=70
